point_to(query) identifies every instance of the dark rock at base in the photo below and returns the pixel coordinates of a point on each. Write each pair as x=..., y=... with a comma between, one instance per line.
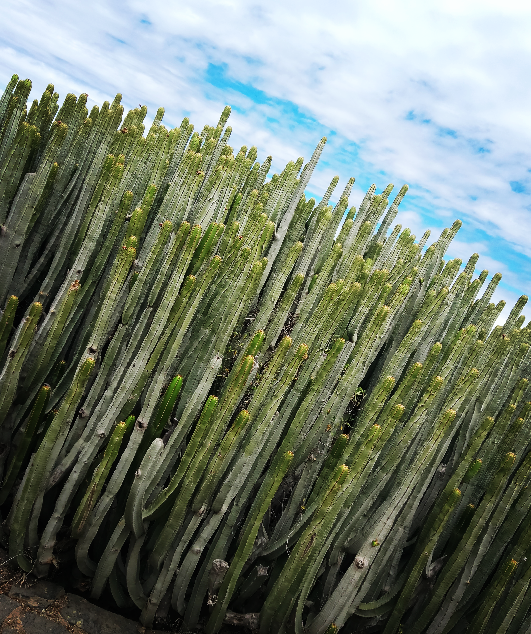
x=77, y=611
x=35, y=624
x=39, y=595
x=7, y=606
x=95, y=620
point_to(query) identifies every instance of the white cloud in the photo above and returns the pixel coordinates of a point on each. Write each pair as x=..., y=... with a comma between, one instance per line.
x=432, y=94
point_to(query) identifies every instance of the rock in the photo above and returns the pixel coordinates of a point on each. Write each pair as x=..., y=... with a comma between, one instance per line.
x=249, y=620
x=95, y=620
x=7, y=606
x=79, y=612
x=41, y=595
x=35, y=624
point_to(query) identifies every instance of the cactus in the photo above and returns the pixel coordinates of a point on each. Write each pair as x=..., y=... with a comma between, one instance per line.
x=424, y=548
x=30, y=430
x=42, y=463
x=250, y=530
x=9, y=378
x=309, y=391
x=6, y=323
x=100, y=475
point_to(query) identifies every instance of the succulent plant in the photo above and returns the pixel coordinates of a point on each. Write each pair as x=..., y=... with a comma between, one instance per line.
x=234, y=399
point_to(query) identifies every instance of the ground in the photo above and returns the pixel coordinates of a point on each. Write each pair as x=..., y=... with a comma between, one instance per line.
x=32, y=606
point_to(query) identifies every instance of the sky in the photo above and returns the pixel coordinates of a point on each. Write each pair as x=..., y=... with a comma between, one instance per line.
x=432, y=94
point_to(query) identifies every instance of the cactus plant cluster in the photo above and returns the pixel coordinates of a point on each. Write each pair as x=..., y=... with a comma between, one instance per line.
x=220, y=398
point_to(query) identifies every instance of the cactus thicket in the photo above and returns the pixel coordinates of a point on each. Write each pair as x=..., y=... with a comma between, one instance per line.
x=223, y=401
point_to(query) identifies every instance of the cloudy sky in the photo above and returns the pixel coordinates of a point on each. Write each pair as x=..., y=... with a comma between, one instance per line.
x=433, y=94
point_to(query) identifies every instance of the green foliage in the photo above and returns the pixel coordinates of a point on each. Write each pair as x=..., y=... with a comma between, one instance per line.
x=236, y=399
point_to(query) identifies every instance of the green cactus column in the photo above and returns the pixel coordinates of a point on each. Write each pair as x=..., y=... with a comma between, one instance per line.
x=40, y=468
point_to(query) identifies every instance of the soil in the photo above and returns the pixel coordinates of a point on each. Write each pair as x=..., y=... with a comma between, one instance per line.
x=38, y=606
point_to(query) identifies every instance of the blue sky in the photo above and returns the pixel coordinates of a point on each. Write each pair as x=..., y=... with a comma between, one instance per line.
x=433, y=94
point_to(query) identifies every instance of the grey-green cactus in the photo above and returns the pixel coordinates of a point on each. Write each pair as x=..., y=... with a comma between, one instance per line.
x=238, y=399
